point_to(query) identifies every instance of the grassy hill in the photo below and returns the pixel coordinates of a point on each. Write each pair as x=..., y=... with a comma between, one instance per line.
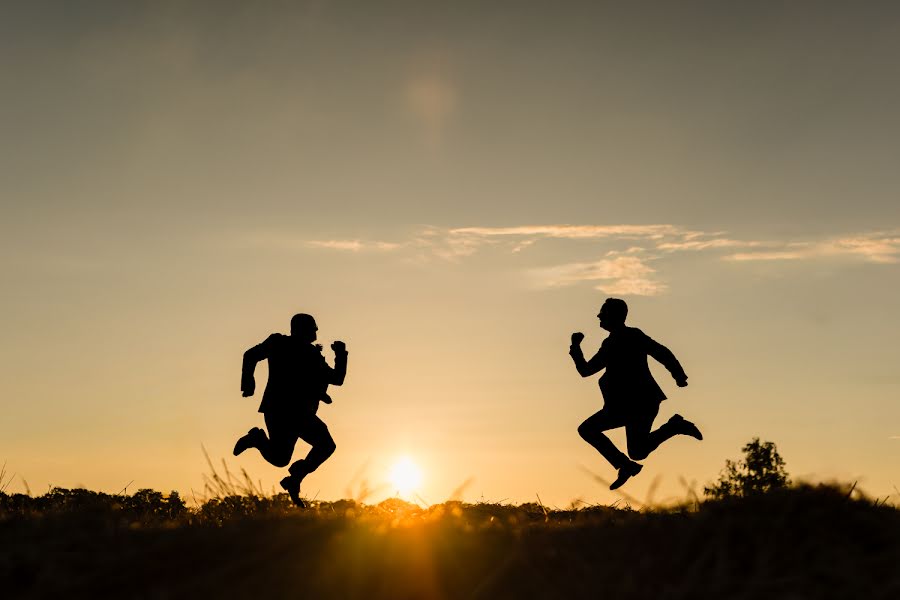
x=803, y=542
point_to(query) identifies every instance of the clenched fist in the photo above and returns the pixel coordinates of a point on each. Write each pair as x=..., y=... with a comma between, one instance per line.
x=248, y=386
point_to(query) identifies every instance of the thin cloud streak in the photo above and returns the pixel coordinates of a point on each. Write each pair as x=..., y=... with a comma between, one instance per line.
x=876, y=247
x=710, y=244
x=763, y=256
x=625, y=275
x=353, y=245
x=879, y=250
x=573, y=232
x=281, y=242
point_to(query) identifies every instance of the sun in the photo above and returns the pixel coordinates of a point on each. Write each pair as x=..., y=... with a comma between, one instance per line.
x=405, y=476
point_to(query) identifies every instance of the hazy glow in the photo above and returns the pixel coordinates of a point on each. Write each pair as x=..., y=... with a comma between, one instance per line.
x=452, y=189
x=406, y=477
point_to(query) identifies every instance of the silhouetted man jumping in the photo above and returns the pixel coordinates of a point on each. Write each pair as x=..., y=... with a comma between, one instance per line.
x=298, y=380
x=631, y=396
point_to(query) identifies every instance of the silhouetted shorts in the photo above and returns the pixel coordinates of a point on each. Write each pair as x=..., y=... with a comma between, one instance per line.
x=636, y=417
x=286, y=428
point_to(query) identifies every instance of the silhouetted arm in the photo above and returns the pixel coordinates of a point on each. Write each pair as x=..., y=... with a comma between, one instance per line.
x=337, y=374
x=586, y=368
x=251, y=357
x=665, y=357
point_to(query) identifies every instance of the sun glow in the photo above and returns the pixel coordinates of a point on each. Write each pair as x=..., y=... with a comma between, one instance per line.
x=405, y=476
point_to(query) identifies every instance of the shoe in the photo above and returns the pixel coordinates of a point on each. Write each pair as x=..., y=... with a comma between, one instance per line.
x=247, y=441
x=685, y=427
x=291, y=485
x=628, y=471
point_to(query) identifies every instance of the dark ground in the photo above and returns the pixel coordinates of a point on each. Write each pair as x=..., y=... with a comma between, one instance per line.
x=798, y=543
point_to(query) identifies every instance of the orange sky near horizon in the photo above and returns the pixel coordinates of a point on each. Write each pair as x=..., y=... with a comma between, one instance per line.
x=452, y=191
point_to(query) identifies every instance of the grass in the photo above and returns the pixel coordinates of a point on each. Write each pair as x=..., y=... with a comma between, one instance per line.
x=803, y=542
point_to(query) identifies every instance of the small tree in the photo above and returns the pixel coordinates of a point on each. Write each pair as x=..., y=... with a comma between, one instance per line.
x=762, y=470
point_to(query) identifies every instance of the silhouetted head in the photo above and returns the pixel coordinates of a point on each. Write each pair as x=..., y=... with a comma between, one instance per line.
x=612, y=314
x=304, y=328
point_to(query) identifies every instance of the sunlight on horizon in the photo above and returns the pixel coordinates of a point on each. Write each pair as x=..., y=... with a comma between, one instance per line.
x=405, y=477
x=451, y=194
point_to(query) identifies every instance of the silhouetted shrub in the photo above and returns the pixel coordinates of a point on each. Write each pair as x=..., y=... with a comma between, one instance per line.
x=144, y=506
x=762, y=470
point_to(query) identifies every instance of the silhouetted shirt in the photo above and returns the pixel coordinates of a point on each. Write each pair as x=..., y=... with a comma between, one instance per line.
x=298, y=373
x=624, y=356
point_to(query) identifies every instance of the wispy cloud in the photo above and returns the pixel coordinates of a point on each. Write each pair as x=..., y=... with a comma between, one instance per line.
x=625, y=250
x=769, y=255
x=708, y=244
x=879, y=248
x=623, y=275
x=436, y=242
x=456, y=243
x=876, y=247
x=353, y=245
x=574, y=231
x=279, y=241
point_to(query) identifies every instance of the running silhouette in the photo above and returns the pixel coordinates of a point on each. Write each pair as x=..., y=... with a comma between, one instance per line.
x=298, y=380
x=631, y=396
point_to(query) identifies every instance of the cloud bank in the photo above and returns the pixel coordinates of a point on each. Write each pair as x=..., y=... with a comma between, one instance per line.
x=625, y=251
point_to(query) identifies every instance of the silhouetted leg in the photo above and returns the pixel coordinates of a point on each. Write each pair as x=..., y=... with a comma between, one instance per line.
x=592, y=432
x=248, y=441
x=278, y=447
x=642, y=441
x=314, y=432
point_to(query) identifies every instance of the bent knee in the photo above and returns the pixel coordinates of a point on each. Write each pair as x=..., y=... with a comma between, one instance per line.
x=585, y=430
x=281, y=460
x=280, y=456
x=325, y=444
x=638, y=453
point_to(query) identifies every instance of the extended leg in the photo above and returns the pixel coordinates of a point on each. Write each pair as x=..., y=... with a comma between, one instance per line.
x=592, y=432
x=277, y=447
x=642, y=441
x=250, y=440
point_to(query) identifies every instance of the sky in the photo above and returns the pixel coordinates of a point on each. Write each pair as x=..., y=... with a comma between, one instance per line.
x=452, y=189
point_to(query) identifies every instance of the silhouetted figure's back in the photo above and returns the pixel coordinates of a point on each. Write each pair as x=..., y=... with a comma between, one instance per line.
x=627, y=378
x=299, y=377
x=631, y=395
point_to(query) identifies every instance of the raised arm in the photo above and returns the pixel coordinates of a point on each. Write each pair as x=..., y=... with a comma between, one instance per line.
x=665, y=357
x=251, y=357
x=337, y=374
x=586, y=368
